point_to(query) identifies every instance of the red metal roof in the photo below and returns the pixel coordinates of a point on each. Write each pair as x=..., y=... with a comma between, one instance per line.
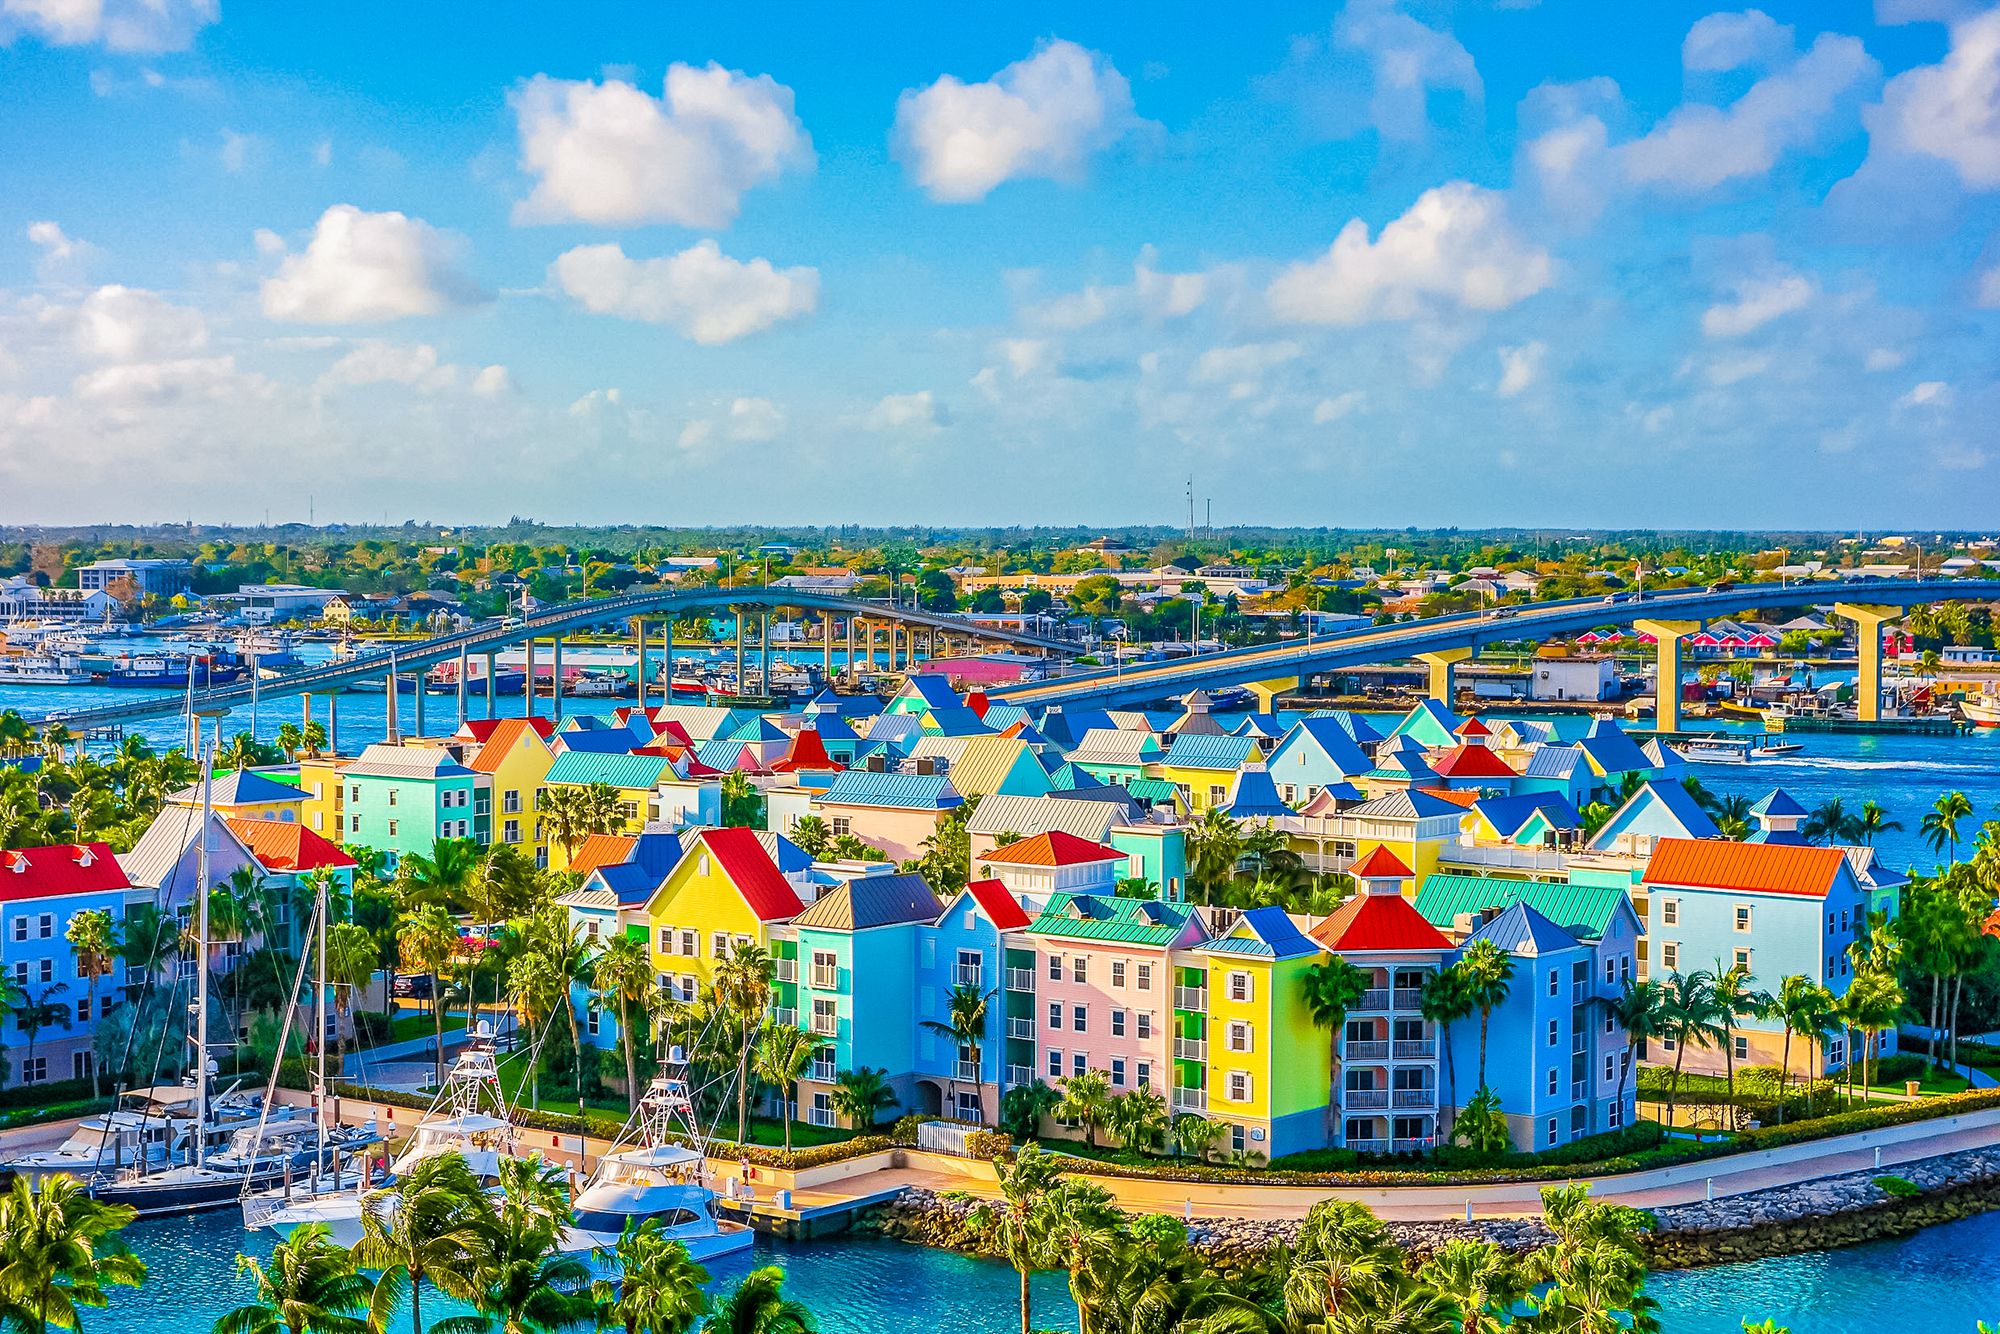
x=977, y=702
x=59, y=868
x=1381, y=864
x=286, y=845
x=807, y=752
x=1370, y=923
x=1054, y=848
x=1000, y=907
x=1472, y=762
x=1473, y=727
x=740, y=854
x=1761, y=868
x=601, y=850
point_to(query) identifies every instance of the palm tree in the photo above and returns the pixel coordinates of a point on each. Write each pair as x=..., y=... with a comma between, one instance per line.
x=1478, y=1281
x=784, y=1053
x=1445, y=999
x=310, y=1286
x=1874, y=819
x=1024, y=1186
x=1802, y=1006
x=59, y=1252
x=811, y=835
x=1489, y=975
x=442, y=876
x=1732, y=817
x=659, y=1289
x=430, y=943
x=521, y=1279
x=1736, y=999
x=862, y=1095
x=1940, y=823
x=759, y=1306
x=966, y=1029
x=1339, y=1266
x=1830, y=822
x=93, y=940
x=572, y=813
x=432, y=1235
x=1639, y=1011
x=351, y=958
x=42, y=1009
x=1136, y=1117
x=1214, y=846
x=563, y=956
x=1086, y=1100
x=1332, y=988
x=313, y=737
x=290, y=740
x=1083, y=1236
x=1873, y=1003
x=743, y=989
x=623, y=973
x=1690, y=1014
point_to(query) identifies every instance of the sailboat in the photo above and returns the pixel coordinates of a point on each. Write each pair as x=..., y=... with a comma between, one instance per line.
x=655, y=1169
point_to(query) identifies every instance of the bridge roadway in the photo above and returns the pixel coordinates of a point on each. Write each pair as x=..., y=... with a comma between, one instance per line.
x=1443, y=635
x=568, y=616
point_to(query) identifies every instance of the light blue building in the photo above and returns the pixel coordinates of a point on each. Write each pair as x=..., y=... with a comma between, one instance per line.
x=966, y=947
x=1317, y=753
x=41, y=889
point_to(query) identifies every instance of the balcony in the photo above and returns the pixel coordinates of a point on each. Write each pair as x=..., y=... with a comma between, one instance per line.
x=969, y=1071
x=1021, y=979
x=825, y=1025
x=1369, y=1145
x=1021, y=1028
x=1190, y=1049
x=822, y=1072
x=966, y=975
x=1019, y=1076
x=826, y=979
x=1375, y=998
x=785, y=970
x=1412, y=1145
x=1579, y=1089
x=786, y=1018
x=820, y=1116
x=1190, y=1100
x=1191, y=998
x=1418, y=1099
x=1365, y=1100
x=1424, y=1049
x=1365, y=1051
x=1409, y=998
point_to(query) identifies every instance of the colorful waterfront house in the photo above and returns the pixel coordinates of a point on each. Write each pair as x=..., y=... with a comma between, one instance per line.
x=1048, y=863
x=1116, y=755
x=728, y=887
x=953, y=720
x=1359, y=728
x=41, y=889
x=922, y=692
x=1268, y=728
x=1471, y=766
x=1400, y=764
x=1316, y=753
x=1388, y=1099
x=1612, y=756
x=325, y=795
x=635, y=778
x=246, y=794
x=1413, y=826
x=1529, y=820
x=1458, y=905
x=1268, y=1065
x=402, y=799
x=973, y=943
x=892, y=812
x=806, y=753
x=1776, y=909
x=1553, y=1056
x=1090, y=814
x=1155, y=853
x=1780, y=819
x=988, y=766
x=1558, y=768
x=1254, y=797
x=1430, y=724
x=1203, y=766
x=289, y=854
x=699, y=722
x=1105, y=991
x=516, y=758
x=857, y=978
x=1066, y=777
x=1654, y=811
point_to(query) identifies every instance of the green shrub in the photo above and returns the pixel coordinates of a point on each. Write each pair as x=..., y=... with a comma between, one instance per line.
x=988, y=1144
x=1900, y=1187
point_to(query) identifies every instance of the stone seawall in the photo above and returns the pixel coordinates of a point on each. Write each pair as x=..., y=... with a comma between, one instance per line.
x=1788, y=1220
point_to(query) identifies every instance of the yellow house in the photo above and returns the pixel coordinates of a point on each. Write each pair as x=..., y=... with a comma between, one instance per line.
x=1415, y=825
x=324, y=809
x=726, y=890
x=1269, y=1064
x=517, y=758
x=1204, y=766
x=246, y=795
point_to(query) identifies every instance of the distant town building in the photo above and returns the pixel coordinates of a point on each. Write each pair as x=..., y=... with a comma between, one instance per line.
x=149, y=578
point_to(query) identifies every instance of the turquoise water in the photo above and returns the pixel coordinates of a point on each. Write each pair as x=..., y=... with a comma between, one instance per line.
x=1944, y=1277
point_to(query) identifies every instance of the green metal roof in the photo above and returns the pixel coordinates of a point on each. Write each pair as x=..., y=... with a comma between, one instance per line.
x=1581, y=909
x=1152, y=789
x=1101, y=917
x=626, y=771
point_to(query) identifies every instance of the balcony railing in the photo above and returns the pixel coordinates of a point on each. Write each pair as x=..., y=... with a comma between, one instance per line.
x=1019, y=1075
x=819, y=1116
x=966, y=975
x=1023, y=1028
x=1412, y=1145
x=1421, y=1098
x=1365, y=1051
x=969, y=1070
x=825, y=1025
x=1376, y=1100
x=1191, y=998
x=822, y=1072
x=1020, y=979
x=786, y=1018
x=1579, y=1089
x=1421, y=1049
x=1375, y=998
x=1190, y=1100
x=1409, y=998
x=1190, y=1049
x=785, y=970
x=1369, y=1145
x=826, y=979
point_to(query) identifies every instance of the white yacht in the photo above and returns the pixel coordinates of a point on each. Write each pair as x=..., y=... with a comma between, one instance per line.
x=654, y=1170
x=146, y=1129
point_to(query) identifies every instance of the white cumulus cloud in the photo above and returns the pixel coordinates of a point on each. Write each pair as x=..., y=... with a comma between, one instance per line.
x=1732, y=41
x=365, y=268
x=1928, y=394
x=1757, y=302
x=61, y=252
x=1520, y=367
x=1407, y=60
x=118, y=25
x=1039, y=117
x=610, y=153
x=1951, y=110
x=701, y=292
x=1455, y=246
x=130, y=324
x=913, y=414
x=1339, y=406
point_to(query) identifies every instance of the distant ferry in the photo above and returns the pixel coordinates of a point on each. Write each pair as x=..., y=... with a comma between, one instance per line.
x=152, y=671
x=43, y=669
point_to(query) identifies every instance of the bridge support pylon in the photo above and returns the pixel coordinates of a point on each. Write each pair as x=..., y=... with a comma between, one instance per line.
x=1267, y=692
x=1667, y=636
x=1868, y=621
x=1440, y=664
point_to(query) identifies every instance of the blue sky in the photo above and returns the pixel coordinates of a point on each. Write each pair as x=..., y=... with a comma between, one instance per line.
x=1416, y=263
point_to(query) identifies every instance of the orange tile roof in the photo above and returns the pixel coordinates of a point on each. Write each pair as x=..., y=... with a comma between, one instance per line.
x=1381, y=864
x=286, y=845
x=1054, y=848
x=601, y=850
x=1759, y=868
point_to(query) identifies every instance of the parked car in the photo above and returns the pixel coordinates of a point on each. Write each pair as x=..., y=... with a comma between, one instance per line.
x=412, y=986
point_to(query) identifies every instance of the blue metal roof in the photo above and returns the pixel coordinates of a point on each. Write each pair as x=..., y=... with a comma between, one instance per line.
x=1522, y=930
x=1253, y=796
x=1273, y=935
x=1361, y=729
x=597, y=741
x=1508, y=814
x=1553, y=762
x=910, y=792
x=1778, y=802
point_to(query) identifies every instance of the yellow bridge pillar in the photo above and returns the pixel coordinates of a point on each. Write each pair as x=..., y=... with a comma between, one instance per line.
x=1868, y=621
x=1267, y=692
x=1440, y=664
x=1667, y=636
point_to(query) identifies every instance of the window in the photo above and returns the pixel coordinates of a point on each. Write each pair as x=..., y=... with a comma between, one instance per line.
x=83, y=1010
x=1239, y=986
x=1055, y=1015
x=1555, y=1026
x=970, y=965
x=825, y=970
x=392, y=829
x=20, y=928
x=1145, y=1026
x=510, y=801
x=80, y=1064
x=1610, y=1066
x=354, y=792
x=1555, y=983
x=35, y=1071
x=1055, y=1065
x=1237, y=1142
x=1077, y=1017
x=1610, y=970
x=1742, y=1045
x=842, y=826
x=1742, y=917
x=1239, y=1086
x=1554, y=1078
x=48, y=926
x=1145, y=977
x=1216, y=794
x=826, y=1017
x=1614, y=1115
x=1843, y=919
x=510, y=831
x=1145, y=1074
x=1741, y=958
x=1239, y=1037
x=392, y=796
x=1670, y=912
x=1118, y=1023
x=1118, y=973
x=690, y=944
x=1118, y=1071
x=1552, y=1130
x=1077, y=969
x=1079, y=1062
x=718, y=944
x=1670, y=955
x=1055, y=968
x=593, y=1019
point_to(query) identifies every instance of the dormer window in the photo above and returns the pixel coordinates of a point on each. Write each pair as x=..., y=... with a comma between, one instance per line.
x=85, y=857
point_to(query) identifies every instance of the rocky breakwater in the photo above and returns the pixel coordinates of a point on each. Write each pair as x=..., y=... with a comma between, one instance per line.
x=1833, y=1211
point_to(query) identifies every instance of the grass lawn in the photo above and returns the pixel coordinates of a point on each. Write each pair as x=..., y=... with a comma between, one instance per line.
x=420, y=1025
x=1933, y=1083
x=763, y=1130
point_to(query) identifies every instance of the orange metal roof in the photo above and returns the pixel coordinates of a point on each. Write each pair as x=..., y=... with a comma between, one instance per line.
x=1761, y=868
x=501, y=741
x=1457, y=796
x=1054, y=848
x=285, y=845
x=601, y=850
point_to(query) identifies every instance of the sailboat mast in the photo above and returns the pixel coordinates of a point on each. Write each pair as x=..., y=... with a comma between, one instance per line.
x=201, y=972
x=319, y=1015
